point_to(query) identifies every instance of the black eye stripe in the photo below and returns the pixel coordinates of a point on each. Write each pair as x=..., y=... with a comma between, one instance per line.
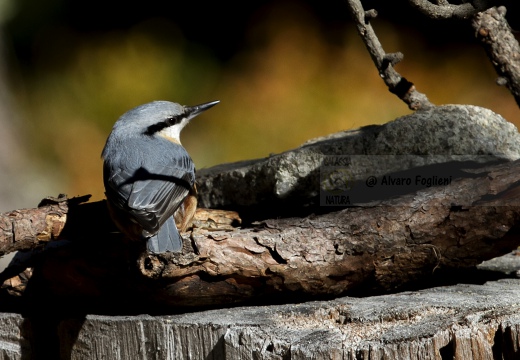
x=174, y=120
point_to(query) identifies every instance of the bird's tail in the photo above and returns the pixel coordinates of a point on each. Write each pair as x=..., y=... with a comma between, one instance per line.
x=167, y=239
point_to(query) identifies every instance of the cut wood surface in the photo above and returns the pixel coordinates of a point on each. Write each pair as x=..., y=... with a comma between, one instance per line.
x=462, y=322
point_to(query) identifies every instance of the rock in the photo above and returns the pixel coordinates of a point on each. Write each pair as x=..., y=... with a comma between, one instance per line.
x=452, y=133
x=456, y=322
x=508, y=264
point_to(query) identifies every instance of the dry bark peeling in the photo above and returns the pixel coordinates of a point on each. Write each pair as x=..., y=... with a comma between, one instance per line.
x=383, y=246
x=27, y=228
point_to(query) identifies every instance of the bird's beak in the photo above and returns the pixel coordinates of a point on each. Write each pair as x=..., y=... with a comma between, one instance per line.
x=192, y=111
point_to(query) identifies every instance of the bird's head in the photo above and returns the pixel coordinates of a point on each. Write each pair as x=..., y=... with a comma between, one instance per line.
x=159, y=117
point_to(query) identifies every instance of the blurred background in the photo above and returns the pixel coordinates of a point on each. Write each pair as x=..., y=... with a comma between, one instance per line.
x=285, y=72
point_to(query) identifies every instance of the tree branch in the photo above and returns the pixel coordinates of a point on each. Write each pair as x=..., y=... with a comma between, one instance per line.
x=445, y=10
x=27, y=228
x=384, y=62
x=492, y=29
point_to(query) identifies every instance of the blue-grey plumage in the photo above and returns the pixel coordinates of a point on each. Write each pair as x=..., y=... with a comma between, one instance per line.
x=148, y=175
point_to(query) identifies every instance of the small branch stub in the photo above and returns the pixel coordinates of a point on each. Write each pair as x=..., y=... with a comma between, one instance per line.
x=501, y=81
x=392, y=59
x=370, y=14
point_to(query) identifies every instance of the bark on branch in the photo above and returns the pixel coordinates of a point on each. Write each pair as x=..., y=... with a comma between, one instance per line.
x=492, y=29
x=27, y=228
x=445, y=10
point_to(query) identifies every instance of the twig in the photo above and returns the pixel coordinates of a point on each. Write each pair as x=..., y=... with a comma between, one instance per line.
x=384, y=62
x=492, y=29
x=445, y=10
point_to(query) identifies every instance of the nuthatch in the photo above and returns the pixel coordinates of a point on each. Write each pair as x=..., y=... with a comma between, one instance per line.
x=149, y=177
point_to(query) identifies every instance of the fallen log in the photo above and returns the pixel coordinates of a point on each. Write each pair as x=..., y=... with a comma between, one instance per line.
x=382, y=247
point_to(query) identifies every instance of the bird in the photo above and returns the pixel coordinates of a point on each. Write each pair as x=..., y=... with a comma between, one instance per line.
x=148, y=175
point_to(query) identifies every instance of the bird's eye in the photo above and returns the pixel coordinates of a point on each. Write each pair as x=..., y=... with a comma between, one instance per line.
x=174, y=120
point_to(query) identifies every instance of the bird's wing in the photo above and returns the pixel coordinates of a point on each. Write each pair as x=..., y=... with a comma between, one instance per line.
x=152, y=187
x=153, y=201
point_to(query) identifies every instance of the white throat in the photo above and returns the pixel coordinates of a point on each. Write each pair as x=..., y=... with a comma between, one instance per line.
x=174, y=132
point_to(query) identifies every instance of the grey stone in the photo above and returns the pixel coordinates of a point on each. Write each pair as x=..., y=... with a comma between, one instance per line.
x=506, y=264
x=434, y=136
